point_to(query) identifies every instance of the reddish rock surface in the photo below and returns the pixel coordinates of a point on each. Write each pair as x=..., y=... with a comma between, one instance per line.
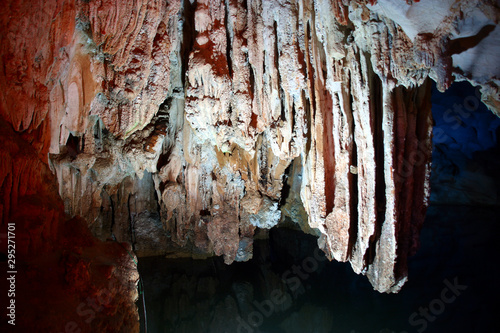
x=66, y=278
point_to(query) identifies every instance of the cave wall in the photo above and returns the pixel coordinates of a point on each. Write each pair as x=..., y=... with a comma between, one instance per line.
x=181, y=127
x=63, y=279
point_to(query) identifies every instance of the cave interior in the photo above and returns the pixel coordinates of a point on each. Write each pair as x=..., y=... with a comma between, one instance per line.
x=262, y=166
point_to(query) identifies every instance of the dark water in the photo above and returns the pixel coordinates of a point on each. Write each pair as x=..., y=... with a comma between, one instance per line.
x=452, y=286
x=288, y=287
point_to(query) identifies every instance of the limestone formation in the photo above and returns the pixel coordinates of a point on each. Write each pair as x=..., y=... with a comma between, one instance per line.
x=183, y=126
x=65, y=279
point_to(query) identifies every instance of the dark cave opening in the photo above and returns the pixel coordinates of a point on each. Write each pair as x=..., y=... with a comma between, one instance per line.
x=465, y=149
x=289, y=286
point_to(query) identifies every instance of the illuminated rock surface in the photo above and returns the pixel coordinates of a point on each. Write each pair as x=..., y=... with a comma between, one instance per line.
x=182, y=127
x=67, y=280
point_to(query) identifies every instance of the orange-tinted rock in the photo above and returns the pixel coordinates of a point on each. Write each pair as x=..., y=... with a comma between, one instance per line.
x=35, y=39
x=64, y=276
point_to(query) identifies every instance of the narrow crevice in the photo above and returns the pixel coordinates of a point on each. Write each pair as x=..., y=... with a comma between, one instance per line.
x=188, y=36
x=276, y=65
x=307, y=120
x=285, y=190
x=308, y=32
x=251, y=80
x=97, y=131
x=310, y=107
x=376, y=105
x=98, y=137
x=249, y=172
x=276, y=47
x=354, y=193
x=229, y=113
x=228, y=40
x=163, y=118
x=301, y=57
x=307, y=56
x=328, y=152
x=282, y=102
x=264, y=64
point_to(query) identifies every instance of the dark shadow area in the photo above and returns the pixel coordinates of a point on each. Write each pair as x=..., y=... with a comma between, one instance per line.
x=465, y=158
x=289, y=287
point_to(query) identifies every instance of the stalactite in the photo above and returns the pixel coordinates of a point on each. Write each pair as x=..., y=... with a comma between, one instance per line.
x=205, y=105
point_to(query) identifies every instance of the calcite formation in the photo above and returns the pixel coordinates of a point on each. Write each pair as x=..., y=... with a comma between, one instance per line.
x=64, y=279
x=183, y=126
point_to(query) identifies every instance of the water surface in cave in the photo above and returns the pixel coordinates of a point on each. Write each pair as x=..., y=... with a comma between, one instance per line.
x=289, y=287
x=185, y=295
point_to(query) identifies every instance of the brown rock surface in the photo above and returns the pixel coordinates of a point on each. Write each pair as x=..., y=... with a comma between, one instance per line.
x=66, y=278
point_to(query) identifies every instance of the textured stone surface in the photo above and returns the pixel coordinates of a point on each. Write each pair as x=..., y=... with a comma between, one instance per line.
x=176, y=124
x=65, y=276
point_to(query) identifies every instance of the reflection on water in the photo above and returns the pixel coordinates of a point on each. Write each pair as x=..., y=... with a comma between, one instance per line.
x=289, y=287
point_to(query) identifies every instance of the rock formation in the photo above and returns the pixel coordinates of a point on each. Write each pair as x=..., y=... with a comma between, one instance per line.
x=183, y=126
x=65, y=280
